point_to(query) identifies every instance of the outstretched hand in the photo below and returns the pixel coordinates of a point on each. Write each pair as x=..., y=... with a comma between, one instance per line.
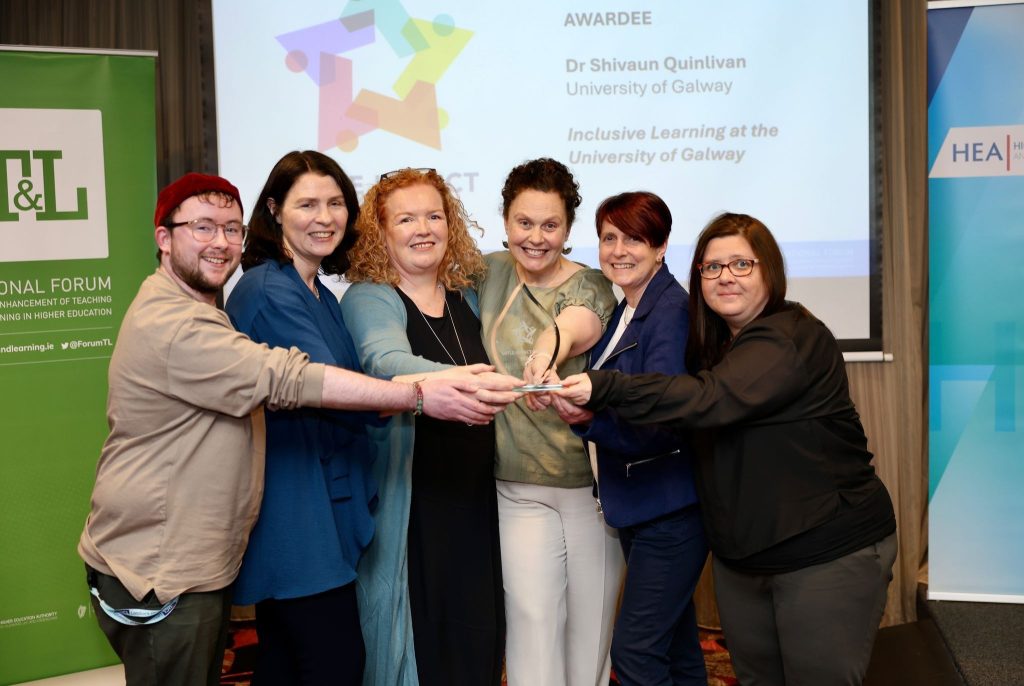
x=576, y=389
x=496, y=389
x=468, y=371
x=569, y=413
x=538, y=368
x=455, y=399
x=541, y=401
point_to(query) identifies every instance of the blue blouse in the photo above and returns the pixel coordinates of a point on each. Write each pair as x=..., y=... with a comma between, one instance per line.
x=315, y=521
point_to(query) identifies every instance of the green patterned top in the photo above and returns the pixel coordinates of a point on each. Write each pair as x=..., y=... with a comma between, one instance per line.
x=536, y=447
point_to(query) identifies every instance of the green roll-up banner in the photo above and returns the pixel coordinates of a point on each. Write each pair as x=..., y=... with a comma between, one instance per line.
x=77, y=189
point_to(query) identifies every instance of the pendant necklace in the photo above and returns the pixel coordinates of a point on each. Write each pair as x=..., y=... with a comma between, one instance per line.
x=438, y=338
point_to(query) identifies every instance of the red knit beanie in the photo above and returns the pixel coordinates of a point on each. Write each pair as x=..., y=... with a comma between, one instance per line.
x=187, y=186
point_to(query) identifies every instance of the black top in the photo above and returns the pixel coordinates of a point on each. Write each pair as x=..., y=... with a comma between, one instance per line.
x=468, y=450
x=455, y=589
x=783, y=470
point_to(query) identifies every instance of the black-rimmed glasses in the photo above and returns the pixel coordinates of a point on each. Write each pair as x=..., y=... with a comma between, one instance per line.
x=205, y=230
x=396, y=172
x=739, y=267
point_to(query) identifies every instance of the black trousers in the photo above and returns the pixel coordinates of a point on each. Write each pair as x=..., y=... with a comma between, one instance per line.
x=810, y=627
x=310, y=641
x=186, y=648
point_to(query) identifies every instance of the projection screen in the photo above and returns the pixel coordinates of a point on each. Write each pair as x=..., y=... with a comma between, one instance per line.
x=744, y=106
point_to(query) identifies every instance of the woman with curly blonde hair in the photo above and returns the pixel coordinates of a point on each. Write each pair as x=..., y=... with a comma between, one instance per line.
x=429, y=586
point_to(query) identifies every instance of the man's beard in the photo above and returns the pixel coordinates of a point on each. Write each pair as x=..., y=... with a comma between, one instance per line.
x=193, y=276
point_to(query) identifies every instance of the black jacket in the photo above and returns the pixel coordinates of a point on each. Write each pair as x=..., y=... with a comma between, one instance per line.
x=782, y=444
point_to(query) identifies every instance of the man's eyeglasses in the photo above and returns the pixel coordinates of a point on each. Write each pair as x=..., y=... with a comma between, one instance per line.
x=738, y=267
x=396, y=172
x=205, y=230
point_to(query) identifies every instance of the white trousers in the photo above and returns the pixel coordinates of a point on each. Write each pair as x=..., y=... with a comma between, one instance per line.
x=562, y=568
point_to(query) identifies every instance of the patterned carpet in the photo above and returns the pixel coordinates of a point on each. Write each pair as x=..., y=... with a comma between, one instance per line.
x=241, y=655
x=716, y=659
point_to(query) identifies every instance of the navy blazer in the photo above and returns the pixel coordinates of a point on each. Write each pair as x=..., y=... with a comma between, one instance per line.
x=644, y=472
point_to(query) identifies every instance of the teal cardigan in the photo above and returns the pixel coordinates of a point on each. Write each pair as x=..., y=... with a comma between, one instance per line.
x=377, y=319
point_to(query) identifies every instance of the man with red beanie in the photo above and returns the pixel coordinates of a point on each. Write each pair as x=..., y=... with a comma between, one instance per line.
x=180, y=476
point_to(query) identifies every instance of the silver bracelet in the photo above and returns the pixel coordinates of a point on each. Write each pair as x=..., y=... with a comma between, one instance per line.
x=534, y=355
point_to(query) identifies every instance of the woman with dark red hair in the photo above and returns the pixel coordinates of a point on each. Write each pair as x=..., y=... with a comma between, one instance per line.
x=644, y=473
x=802, y=529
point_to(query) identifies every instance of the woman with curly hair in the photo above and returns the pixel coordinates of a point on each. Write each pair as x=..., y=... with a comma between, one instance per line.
x=562, y=565
x=430, y=586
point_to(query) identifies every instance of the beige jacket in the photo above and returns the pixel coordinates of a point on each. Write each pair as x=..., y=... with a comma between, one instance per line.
x=180, y=477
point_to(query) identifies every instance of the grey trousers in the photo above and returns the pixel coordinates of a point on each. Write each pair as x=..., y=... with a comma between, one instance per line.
x=810, y=627
x=186, y=648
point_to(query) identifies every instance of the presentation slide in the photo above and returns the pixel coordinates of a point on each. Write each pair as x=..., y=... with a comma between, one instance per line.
x=740, y=105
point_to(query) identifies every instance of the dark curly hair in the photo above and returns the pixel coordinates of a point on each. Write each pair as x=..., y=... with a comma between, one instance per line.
x=265, y=240
x=545, y=175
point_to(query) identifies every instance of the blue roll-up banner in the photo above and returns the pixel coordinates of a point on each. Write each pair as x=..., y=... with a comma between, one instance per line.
x=976, y=296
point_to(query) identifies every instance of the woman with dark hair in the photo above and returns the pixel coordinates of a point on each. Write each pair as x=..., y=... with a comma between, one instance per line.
x=801, y=527
x=300, y=566
x=644, y=475
x=430, y=586
x=267, y=239
x=561, y=564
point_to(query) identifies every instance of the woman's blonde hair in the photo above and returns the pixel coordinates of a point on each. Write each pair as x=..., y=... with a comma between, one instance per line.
x=462, y=264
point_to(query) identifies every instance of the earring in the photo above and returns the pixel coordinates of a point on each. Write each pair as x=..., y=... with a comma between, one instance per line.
x=567, y=249
x=504, y=244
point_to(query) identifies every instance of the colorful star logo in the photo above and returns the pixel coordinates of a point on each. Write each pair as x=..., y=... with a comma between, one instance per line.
x=413, y=114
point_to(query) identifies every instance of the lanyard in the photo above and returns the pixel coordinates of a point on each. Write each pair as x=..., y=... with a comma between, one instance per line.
x=135, y=616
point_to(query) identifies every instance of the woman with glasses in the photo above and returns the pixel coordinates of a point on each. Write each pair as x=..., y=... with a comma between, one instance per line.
x=300, y=566
x=801, y=527
x=644, y=474
x=562, y=566
x=430, y=586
